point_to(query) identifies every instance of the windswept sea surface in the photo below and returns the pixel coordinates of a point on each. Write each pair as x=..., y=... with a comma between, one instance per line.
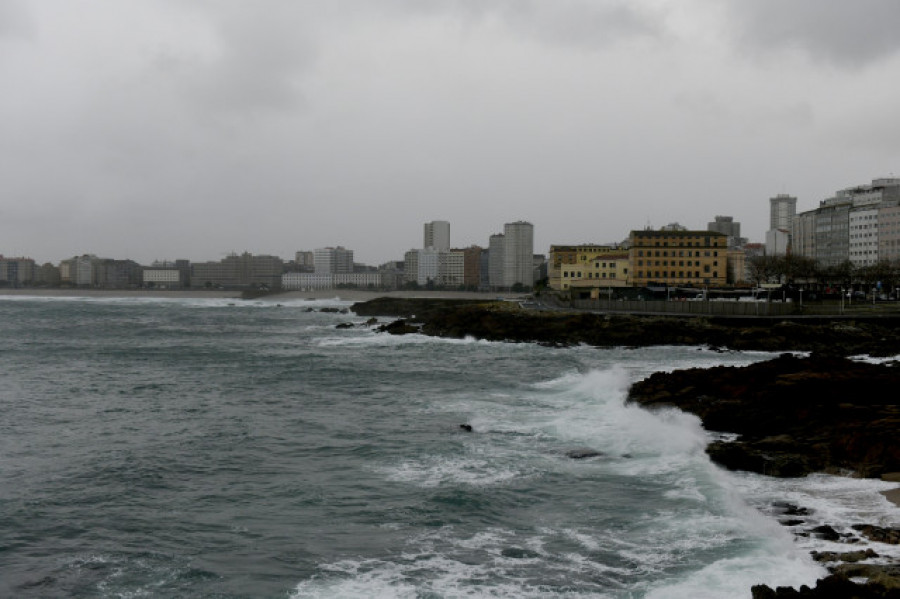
x=220, y=448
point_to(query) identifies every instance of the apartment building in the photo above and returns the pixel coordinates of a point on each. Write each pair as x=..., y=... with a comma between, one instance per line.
x=564, y=256
x=676, y=258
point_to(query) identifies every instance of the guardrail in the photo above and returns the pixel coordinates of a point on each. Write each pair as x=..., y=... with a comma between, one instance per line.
x=699, y=308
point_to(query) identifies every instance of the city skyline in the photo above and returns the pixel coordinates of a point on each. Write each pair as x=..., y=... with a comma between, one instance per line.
x=156, y=129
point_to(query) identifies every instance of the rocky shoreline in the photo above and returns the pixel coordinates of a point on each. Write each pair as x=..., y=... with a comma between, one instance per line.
x=505, y=321
x=794, y=416
x=791, y=416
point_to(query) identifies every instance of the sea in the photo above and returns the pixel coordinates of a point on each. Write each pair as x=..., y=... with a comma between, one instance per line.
x=178, y=447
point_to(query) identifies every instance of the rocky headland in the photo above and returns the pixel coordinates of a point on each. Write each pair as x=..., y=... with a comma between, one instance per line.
x=505, y=321
x=790, y=416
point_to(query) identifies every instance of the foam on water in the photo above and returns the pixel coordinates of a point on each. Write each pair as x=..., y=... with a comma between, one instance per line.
x=186, y=301
x=372, y=338
x=434, y=471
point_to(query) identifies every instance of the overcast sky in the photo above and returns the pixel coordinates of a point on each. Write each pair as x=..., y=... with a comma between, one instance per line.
x=163, y=129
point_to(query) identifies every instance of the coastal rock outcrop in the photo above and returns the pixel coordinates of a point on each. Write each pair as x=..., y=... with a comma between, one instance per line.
x=507, y=321
x=793, y=415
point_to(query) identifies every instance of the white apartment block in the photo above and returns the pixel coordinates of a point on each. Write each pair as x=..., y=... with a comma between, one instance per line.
x=162, y=277
x=452, y=268
x=860, y=224
x=864, y=235
x=428, y=267
x=518, y=254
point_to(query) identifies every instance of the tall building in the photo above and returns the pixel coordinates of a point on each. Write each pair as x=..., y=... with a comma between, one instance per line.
x=727, y=226
x=471, y=266
x=332, y=261
x=437, y=235
x=496, y=250
x=782, y=209
x=518, y=254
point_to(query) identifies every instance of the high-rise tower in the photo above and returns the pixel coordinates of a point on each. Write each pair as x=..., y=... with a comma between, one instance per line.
x=437, y=235
x=782, y=209
x=518, y=254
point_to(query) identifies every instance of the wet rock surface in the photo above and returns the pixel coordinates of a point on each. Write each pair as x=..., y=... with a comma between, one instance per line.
x=793, y=415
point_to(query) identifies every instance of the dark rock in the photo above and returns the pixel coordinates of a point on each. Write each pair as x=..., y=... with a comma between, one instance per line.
x=826, y=533
x=836, y=586
x=791, y=522
x=849, y=556
x=790, y=509
x=398, y=327
x=890, y=536
x=466, y=427
x=330, y=310
x=500, y=321
x=584, y=453
x=794, y=415
x=344, y=325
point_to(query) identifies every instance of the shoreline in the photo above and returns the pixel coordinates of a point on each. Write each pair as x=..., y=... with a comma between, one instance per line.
x=349, y=295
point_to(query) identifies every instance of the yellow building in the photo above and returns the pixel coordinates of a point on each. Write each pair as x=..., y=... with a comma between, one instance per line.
x=564, y=256
x=676, y=258
x=600, y=272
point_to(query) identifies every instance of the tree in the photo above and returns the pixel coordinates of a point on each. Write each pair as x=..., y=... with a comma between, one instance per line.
x=762, y=269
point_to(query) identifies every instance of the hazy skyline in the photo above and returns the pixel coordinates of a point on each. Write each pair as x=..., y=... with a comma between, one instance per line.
x=177, y=128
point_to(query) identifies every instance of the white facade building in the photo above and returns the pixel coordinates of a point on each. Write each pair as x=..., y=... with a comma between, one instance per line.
x=307, y=281
x=452, y=268
x=162, y=277
x=518, y=254
x=864, y=235
x=428, y=267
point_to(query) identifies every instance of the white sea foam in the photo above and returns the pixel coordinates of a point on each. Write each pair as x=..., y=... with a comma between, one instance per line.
x=186, y=301
x=836, y=501
x=435, y=471
x=876, y=360
x=733, y=577
x=372, y=338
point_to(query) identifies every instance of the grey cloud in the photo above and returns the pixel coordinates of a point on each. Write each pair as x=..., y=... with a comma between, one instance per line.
x=568, y=22
x=15, y=20
x=581, y=23
x=849, y=34
x=261, y=56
